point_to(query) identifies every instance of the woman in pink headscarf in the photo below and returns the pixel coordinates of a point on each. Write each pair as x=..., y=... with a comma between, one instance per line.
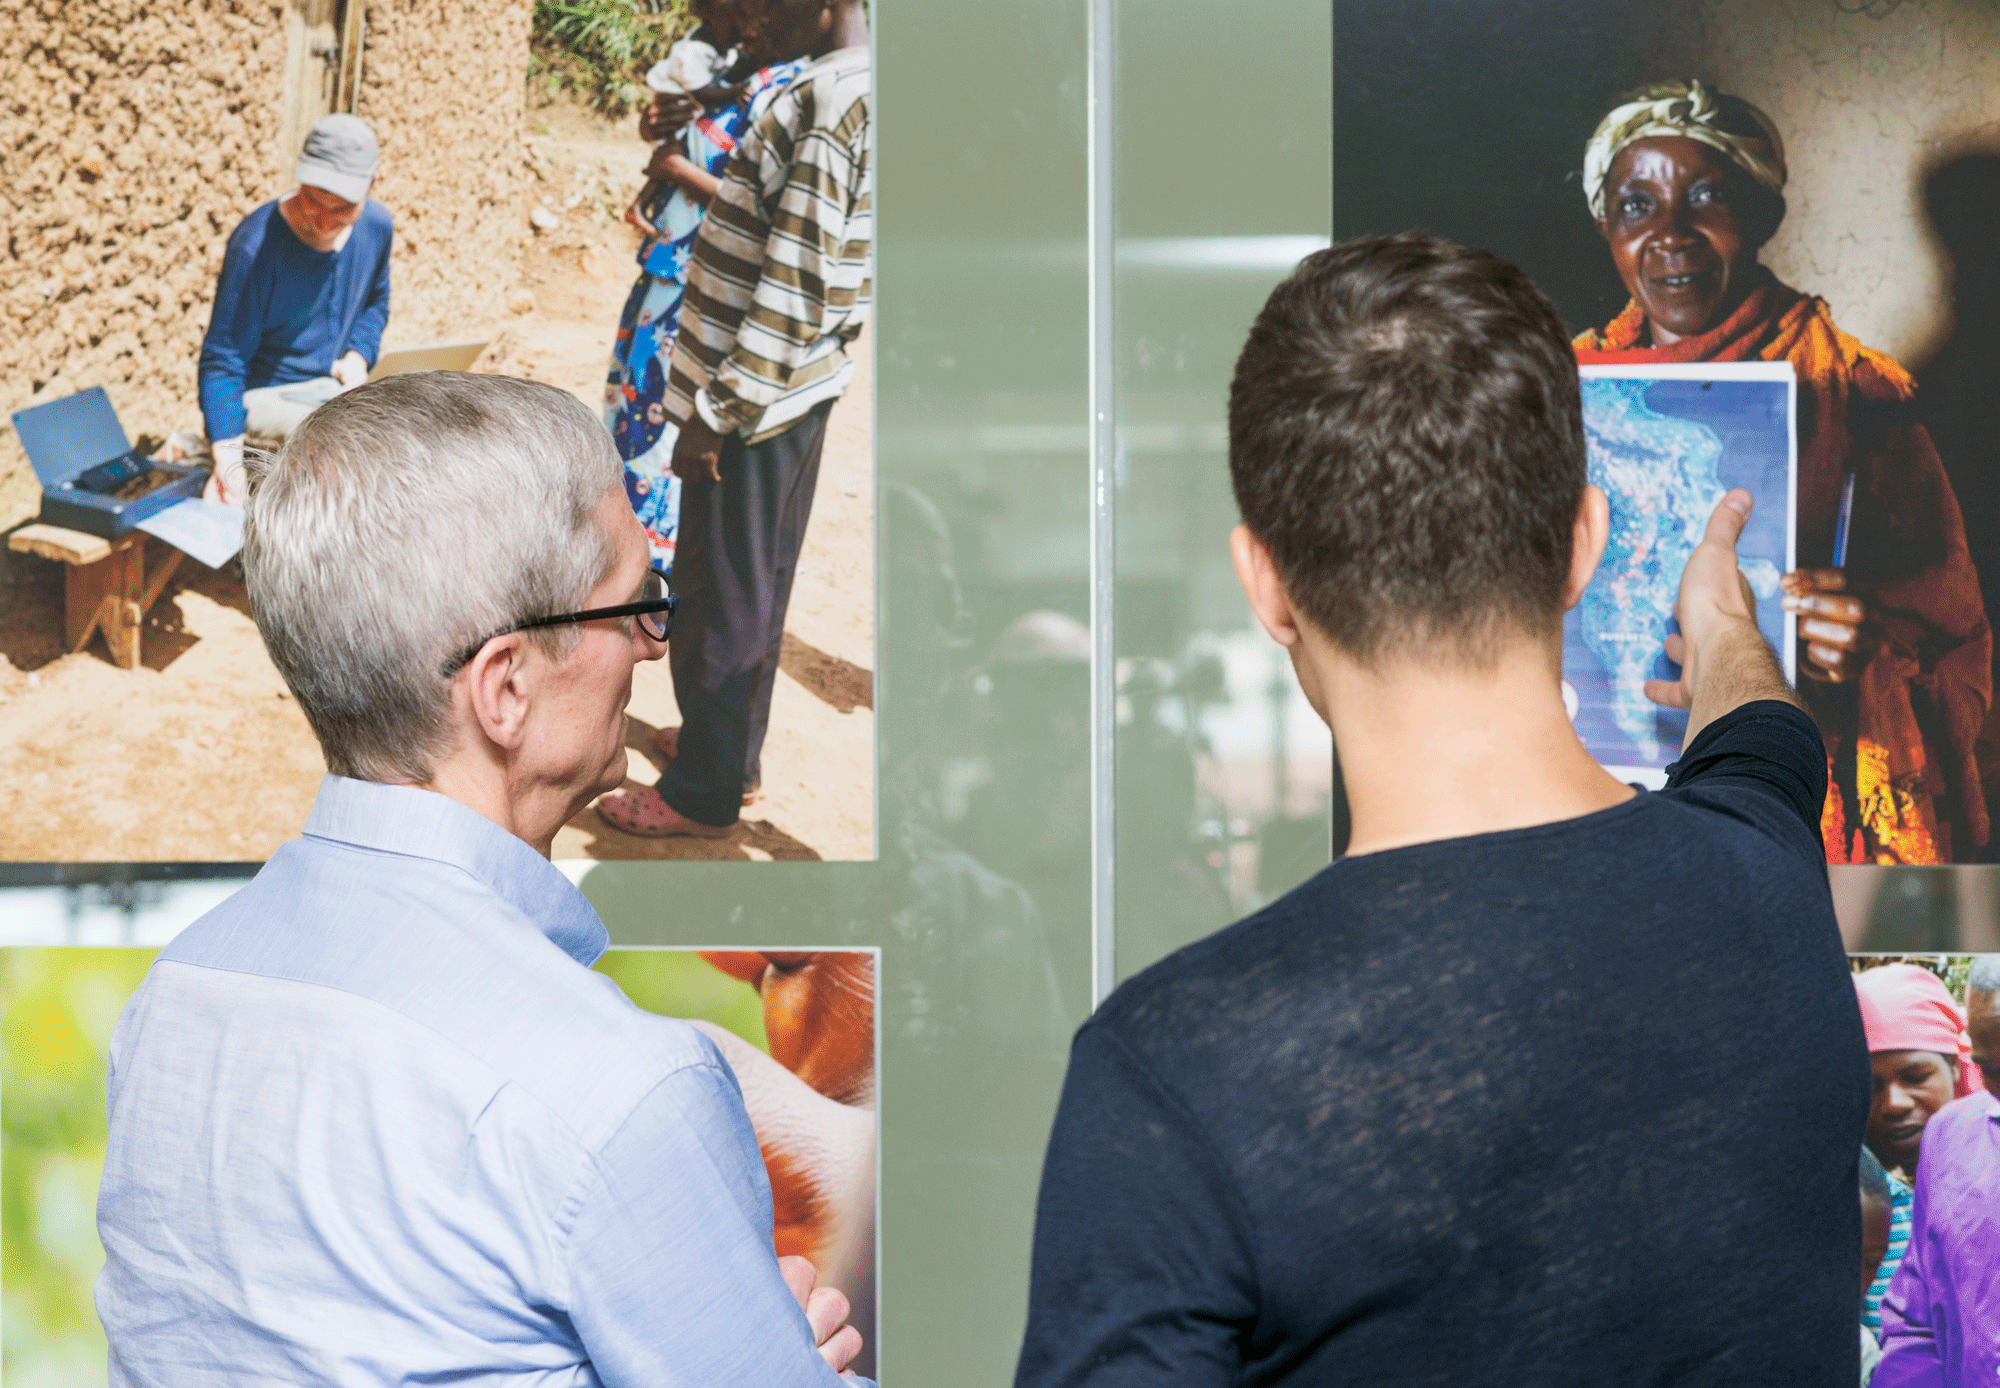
x=1920, y=1054
x=1922, y=1060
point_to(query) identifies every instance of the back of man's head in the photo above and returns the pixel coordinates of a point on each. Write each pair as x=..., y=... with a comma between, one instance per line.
x=400, y=524
x=1406, y=439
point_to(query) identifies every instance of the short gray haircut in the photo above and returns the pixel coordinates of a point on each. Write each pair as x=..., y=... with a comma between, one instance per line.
x=1985, y=976
x=400, y=524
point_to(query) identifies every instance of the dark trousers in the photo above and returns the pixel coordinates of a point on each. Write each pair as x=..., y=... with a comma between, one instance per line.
x=734, y=559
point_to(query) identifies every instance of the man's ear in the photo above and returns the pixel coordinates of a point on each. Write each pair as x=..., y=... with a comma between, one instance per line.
x=1588, y=535
x=500, y=688
x=1258, y=574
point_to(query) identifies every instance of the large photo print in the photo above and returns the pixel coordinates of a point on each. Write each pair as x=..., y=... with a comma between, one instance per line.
x=659, y=214
x=1792, y=182
x=1928, y=1163
x=797, y=1029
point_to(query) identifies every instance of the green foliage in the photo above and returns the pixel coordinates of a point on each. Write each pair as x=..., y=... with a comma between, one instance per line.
x=598, y=50
x=57, y=1008
x=1952, y=969
x=680, y=983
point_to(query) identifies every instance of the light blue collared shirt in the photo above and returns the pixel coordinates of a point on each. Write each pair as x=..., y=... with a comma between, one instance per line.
x=375, y=1121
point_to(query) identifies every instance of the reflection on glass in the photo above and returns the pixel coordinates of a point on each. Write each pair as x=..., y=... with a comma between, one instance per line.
x=1224, y=774
x=982, y=912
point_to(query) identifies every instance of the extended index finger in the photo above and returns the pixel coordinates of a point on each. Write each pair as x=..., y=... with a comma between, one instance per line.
x=1726, y=522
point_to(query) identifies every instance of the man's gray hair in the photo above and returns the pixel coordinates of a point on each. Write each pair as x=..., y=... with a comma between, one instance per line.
x=399, y=525
x=1985, y=975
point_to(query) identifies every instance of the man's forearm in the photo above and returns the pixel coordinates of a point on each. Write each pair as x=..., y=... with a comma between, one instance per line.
x=220, y=394
x=1737, y=667
x=373, y=320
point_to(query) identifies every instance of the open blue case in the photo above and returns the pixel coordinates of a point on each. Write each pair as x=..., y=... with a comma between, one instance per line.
x=66, y=438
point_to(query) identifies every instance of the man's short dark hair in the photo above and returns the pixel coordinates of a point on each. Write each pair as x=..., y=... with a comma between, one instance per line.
x=1406, y=438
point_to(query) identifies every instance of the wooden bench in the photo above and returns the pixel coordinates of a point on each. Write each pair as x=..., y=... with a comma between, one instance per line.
x=106, y=588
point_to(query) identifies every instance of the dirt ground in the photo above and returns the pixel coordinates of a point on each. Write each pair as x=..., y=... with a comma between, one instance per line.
x=201, y=754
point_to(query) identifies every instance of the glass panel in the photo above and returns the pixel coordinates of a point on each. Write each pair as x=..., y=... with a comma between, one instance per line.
x=980, y=897
x=1224, y=774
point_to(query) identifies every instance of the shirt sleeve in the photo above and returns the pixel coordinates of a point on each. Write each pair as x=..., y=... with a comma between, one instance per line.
x=673, y=1280
x=1142, y=1271
x=373, y=320
x=1765, y=764
x=235, y=327
x=1910, y=1356
x=787, y=313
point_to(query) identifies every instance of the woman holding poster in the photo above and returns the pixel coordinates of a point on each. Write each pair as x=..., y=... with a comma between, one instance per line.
x=1686, y=184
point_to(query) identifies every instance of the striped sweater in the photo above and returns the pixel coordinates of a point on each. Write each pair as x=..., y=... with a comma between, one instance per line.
x=779, y=283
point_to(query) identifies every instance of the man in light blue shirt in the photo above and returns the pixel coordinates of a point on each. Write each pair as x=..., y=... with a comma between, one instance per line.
x=374, y=1120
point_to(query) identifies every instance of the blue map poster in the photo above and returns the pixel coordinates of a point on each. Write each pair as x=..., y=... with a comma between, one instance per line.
x=1665, y=443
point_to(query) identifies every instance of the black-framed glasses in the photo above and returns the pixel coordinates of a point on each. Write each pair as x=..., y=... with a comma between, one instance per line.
x=654, y=611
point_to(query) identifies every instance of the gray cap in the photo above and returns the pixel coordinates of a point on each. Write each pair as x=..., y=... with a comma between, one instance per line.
x=340, y=156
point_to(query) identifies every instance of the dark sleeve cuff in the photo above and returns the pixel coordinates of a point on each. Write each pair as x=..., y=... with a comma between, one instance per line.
x=1770, y=742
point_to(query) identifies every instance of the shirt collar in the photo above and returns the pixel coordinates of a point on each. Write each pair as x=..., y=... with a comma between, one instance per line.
x=417, y=823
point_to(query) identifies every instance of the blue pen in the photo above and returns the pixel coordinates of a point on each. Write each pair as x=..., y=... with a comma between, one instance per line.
x=1846, y=517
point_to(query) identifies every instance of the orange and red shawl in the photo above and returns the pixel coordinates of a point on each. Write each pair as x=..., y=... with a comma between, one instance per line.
x=1905, y=1008
x=1900, y=739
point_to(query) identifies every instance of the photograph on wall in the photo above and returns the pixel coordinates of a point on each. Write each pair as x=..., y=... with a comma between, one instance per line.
x=798, y=1029
x=1803, y=182
x=1665, y=443
x=1928, y=1164
x=1917, y=910
x=204, y=258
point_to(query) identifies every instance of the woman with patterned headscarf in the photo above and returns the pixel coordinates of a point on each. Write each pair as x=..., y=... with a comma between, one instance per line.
x=1686, y=184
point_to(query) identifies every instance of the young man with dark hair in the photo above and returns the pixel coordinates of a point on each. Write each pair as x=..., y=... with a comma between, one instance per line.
x=1547, y=1081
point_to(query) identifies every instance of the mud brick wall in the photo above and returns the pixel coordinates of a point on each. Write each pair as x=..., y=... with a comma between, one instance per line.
x=444, y=84
x=135, y=134
x=1872, y=101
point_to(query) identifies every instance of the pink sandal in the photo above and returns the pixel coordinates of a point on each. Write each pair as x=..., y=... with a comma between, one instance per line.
x=644, y=814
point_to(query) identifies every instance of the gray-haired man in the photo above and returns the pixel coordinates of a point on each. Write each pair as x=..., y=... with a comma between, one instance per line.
x=374, y=1120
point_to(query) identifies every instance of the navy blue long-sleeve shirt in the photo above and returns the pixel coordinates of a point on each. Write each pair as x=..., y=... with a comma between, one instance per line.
x=1577, y=1104
x=286, y=312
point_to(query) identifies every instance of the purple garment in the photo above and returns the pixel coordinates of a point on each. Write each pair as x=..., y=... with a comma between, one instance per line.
x=1941, y=1317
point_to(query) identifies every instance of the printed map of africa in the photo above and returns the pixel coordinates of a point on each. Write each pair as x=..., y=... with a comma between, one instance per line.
x=1665, y=451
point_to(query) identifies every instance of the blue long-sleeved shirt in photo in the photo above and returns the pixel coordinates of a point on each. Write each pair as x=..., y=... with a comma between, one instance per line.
x=286, y=312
